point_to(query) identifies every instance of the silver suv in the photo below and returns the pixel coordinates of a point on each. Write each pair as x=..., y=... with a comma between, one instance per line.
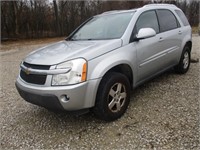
x=96, y=67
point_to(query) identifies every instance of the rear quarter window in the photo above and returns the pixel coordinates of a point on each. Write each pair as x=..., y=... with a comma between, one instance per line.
x=182, y=17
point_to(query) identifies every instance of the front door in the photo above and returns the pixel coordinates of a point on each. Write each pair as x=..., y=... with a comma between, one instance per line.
x=150, y=55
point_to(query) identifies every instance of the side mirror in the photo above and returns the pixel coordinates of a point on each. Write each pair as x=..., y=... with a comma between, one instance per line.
x=145, y=33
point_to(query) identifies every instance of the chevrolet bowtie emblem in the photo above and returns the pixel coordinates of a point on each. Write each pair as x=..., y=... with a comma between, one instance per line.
x=27, y=71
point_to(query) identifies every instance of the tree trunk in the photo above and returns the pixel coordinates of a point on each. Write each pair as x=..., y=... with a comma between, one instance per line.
x=56, y=15
x=15, y=17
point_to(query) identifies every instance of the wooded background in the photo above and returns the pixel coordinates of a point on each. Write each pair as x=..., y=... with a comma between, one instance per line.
x=50, y=18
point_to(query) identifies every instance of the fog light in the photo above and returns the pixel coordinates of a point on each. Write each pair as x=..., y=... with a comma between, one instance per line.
x=64, y=98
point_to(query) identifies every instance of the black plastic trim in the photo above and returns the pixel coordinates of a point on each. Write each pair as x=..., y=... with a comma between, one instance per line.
x=45, y=100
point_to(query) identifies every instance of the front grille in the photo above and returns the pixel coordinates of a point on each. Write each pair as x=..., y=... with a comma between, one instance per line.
x=41, y=67
x=33, y=78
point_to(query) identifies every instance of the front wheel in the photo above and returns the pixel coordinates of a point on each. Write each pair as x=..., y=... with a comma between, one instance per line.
x=184, y=62
x=113, y=97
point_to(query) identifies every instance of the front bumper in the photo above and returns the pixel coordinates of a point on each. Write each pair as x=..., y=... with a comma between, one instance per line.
x=45, y=100
x=70, y=98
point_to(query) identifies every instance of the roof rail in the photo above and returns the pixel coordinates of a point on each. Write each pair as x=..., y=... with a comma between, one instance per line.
x=118, y=11
x=112, y=11
x=162, y=4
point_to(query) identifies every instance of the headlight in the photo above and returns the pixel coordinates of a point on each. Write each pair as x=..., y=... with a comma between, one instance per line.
x=77, y=74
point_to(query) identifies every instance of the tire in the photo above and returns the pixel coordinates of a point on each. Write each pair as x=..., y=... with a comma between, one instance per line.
x=184, y=62
x=114, y=90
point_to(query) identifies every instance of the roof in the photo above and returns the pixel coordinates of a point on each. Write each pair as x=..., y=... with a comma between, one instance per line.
x=145, y=6
x=118, y=11
x=159, y=5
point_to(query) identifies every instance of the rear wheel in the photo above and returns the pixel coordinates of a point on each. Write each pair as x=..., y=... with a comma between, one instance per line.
x=184, y=62
x=113, y=97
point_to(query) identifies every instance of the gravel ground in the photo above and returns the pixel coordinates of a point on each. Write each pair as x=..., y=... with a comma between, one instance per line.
x=163, y=113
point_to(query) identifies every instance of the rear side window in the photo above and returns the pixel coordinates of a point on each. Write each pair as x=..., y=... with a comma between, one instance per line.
x=182, y=17
x=167, y=20
x=147, y=20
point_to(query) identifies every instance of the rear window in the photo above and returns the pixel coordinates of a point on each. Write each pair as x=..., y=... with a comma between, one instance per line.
x=167, y=20
x=182, y=17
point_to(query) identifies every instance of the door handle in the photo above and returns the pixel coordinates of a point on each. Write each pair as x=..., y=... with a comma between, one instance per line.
x=161, y=39
x=179, y=32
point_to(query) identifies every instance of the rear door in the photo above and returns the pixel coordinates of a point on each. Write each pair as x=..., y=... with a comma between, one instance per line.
x=170, y=36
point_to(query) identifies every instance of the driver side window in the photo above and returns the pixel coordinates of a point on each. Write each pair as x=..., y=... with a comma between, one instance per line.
x=147, y=19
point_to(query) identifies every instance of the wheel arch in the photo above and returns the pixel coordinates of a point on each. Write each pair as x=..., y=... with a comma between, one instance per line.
x=124, y=69
x=100, y=70
x=189, y=43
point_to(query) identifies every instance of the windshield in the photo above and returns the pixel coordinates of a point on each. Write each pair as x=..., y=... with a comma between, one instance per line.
x=110, y=26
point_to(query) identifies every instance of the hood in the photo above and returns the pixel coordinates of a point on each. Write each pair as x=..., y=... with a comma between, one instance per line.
x=66, y=50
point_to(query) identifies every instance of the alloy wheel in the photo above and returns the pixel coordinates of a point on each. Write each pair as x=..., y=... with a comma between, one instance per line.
x=116, y=97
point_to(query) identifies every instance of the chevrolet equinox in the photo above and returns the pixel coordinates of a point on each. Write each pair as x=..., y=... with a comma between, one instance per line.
x=96, y=67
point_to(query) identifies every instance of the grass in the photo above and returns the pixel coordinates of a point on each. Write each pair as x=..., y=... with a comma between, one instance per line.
x=195, y=30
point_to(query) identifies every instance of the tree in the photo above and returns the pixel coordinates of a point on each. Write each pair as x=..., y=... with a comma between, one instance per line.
x=57, y=17
x=36, y=18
